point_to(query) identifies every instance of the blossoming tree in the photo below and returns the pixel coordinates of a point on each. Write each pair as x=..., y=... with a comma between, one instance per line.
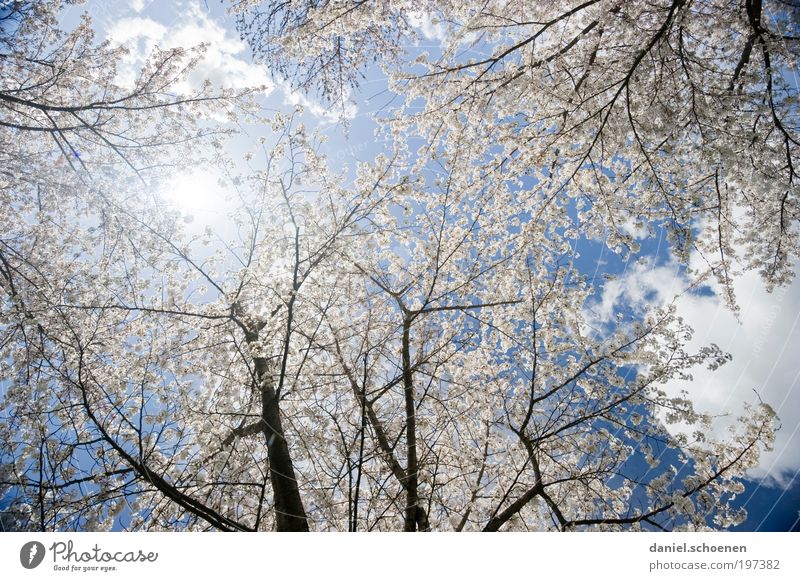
x=413, y=350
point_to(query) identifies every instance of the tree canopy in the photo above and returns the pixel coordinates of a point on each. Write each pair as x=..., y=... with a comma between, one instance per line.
x=413, y=349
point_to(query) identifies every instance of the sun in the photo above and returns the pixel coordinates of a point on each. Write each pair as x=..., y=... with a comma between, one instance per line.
x=194, y=191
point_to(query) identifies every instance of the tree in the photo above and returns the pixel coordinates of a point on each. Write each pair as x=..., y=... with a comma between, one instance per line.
x=75, y=143
x=411, y=351
x=674, y=112
x=583, y=117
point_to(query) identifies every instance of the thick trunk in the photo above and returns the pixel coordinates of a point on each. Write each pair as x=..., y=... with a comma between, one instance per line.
x=411, y=477
x=289, y=512
x=363, y=430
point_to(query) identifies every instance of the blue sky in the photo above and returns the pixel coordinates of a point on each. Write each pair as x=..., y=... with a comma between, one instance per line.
x=764, y=340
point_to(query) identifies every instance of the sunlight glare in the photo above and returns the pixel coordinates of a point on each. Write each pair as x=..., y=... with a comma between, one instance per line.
x=194, y=191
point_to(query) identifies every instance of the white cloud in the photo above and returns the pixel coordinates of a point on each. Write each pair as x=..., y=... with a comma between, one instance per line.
x=764, y=342
x=224, y=62
x=636, y=231
x=137, y=5
x=331, y=114
x=641, y=285
x=424, y=23
x=137, y=33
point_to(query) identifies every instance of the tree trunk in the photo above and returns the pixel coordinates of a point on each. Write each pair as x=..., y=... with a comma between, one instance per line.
x=411, y=477
x=289, y=512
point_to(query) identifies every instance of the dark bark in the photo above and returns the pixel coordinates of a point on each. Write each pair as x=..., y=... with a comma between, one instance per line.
x=290, y=516
x=499, y=520
x=362, y=431
x=411, y=477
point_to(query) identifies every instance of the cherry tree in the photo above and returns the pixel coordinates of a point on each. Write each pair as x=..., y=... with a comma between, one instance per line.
x=492, y=400
x=679, y=113
x=80, y=154
x=592, y=144
x=413, y=349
